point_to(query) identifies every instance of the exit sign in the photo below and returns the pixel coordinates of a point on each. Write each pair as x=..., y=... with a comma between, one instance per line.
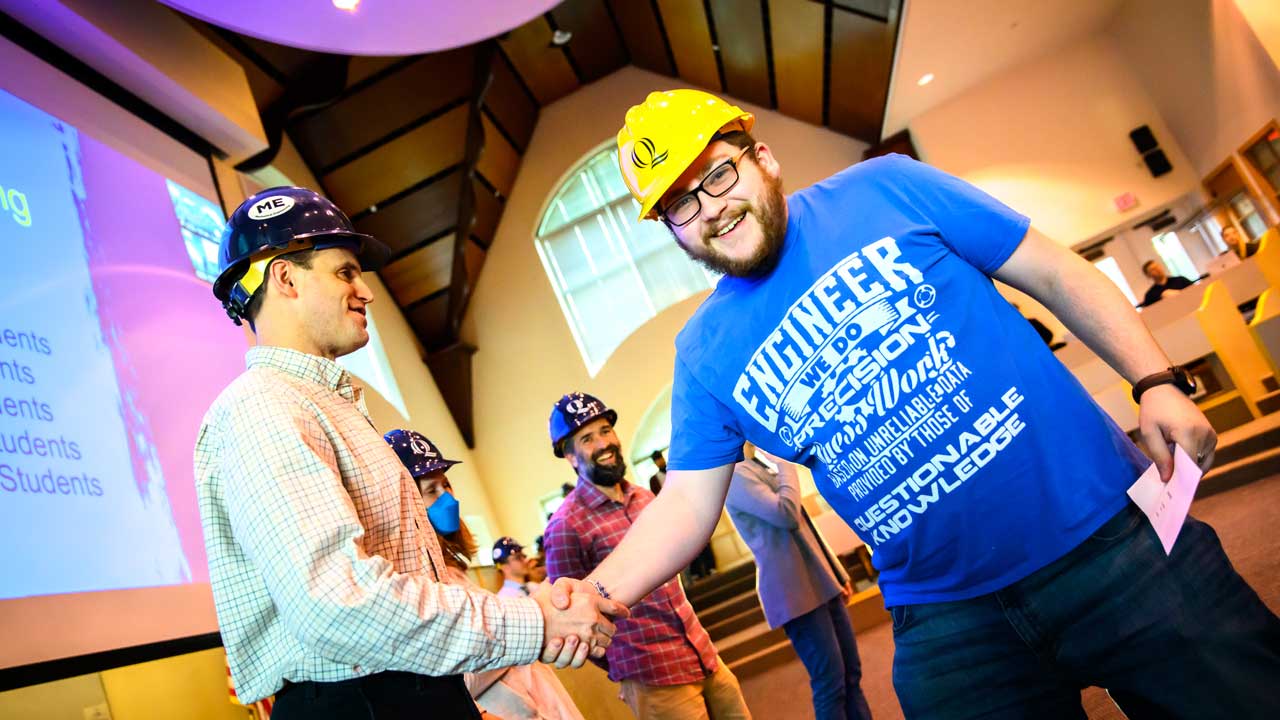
x=1125, y=202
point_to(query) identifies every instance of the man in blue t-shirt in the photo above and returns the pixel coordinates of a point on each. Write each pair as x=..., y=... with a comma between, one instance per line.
x=857, y=331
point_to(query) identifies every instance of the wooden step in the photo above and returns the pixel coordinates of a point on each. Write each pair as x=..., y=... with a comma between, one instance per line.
x=753, y=615
x=758, y=649
x=1223, y=477
x=1249, y=439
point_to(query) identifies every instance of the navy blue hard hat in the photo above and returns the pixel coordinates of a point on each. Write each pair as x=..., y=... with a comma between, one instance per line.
x=417, y=453
x=278, y=221
x=572, y=412
x=505, y=548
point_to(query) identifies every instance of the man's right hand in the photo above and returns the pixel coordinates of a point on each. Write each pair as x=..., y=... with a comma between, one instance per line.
x=582, y=628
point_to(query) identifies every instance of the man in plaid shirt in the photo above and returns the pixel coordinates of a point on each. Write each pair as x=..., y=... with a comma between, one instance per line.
x=326, y=577
x=662, y=655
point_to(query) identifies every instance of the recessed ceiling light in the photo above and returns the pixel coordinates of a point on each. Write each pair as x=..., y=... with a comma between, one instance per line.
x=348, y=5
x=925, y=79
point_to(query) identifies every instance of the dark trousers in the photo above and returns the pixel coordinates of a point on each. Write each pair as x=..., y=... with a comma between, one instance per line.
x=823, y=638
x=1180, y=636
x=382, y=696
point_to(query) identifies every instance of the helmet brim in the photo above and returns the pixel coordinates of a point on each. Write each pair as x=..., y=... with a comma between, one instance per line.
x=371, y=253
x=557, y=446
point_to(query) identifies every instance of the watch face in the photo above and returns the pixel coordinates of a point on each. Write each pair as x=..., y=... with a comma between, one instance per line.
x=1184, y=381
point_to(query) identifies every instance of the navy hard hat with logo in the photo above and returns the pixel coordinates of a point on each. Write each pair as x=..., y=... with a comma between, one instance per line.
x=572, y=412
x=277, y=221
x=505, y=548
x=418, y=454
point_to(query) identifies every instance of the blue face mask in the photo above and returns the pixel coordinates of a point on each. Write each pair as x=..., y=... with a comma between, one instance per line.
x=443, y=514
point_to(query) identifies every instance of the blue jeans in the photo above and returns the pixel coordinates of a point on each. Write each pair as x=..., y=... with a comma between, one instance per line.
x=1180, y=636
x=823, y=638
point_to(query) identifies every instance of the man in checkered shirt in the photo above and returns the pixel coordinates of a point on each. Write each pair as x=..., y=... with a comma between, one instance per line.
x=325, y=573
x=663, y=657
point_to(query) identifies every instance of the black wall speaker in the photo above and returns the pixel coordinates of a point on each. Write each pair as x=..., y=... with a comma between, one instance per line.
x=1144, y=141
x=1157, y=163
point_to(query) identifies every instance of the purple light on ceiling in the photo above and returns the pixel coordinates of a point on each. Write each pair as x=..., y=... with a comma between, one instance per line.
x=375, y=27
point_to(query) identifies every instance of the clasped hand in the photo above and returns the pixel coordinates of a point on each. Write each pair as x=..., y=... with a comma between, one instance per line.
x=577, y=622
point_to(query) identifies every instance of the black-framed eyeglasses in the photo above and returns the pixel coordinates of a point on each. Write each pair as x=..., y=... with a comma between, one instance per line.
x=719, y=181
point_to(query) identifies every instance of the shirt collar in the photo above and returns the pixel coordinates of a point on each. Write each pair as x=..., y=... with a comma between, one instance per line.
x=593, y=497
x=304, y=366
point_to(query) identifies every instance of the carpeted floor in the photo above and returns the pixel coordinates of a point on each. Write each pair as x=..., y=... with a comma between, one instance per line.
x=1246, y=519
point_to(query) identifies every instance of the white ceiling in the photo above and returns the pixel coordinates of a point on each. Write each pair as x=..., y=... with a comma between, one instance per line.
x=963, y=42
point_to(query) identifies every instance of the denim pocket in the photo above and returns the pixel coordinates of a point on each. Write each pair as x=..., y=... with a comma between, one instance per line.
x=901, y=615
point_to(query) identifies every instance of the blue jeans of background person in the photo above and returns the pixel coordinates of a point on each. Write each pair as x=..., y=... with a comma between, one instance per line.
x=1181, y=636
x=823, y=638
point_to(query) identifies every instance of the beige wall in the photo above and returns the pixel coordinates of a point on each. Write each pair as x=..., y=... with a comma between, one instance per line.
x=1205, y=69
x=1264, y=17
x=527, y=358
x=1050, y=138
x=425, y=405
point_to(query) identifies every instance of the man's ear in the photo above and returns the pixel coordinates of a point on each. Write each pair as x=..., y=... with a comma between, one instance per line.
x=281, y=274
x=767, y=162
x=572, y=458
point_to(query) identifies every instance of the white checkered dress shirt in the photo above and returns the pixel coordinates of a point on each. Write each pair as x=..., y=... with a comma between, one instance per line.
x=322, y=562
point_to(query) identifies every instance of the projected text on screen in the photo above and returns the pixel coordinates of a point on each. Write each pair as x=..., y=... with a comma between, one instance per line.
x=95, y=427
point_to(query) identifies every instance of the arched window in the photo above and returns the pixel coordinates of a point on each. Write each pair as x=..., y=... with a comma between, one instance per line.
x=611, y=274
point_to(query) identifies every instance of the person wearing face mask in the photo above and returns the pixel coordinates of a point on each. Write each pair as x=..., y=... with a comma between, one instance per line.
x=662, y=656
x=527, y=692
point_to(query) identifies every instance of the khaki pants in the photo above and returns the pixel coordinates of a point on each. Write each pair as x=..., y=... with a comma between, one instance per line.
x=717, y=697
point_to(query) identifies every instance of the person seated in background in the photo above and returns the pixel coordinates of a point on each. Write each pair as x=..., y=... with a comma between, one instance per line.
x=655, y=482
x=526, y=692
x=1239, y=244
x=538, y=563
x=704, y=563
x=802, y=587
x=508, y=555
x=1162, y=284
x=1041, y=329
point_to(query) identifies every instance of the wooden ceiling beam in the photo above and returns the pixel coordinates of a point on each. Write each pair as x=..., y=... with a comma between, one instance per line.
x=475, y=147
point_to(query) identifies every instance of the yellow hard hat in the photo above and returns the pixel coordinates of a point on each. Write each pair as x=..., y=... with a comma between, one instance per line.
x=662, y=136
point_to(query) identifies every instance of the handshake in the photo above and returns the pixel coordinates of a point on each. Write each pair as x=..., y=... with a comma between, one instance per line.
x=577, y=622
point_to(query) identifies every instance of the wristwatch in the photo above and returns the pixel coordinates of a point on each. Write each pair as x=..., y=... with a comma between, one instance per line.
x=1175, y=376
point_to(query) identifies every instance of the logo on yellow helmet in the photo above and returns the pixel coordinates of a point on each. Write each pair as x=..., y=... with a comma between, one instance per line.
x=644, y=154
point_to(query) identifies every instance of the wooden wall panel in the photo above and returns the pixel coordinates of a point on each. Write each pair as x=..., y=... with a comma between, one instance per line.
x=286, y=60
x=431, y=320
x=473, y=256
x=595, y=46
x=690, y=36
x=797, y=30
x=740, y=32
x=400, y=164
x=421, y=272
x=544, y=68
x=511, y=106
x=423, y=213
x=488, y=212
x=363, y=66
x=641, y=35
x=498, y=161
x=352, y=123
x=861, y=57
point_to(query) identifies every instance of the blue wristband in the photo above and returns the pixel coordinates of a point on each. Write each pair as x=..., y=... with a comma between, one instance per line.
x=600, y=589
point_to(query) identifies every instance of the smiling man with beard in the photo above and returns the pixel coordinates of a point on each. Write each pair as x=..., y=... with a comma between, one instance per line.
x=662, y=655
x=857, y=330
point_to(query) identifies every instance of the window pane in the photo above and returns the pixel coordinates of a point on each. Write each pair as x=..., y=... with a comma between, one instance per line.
x=611, y=273
x=1111, y=269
